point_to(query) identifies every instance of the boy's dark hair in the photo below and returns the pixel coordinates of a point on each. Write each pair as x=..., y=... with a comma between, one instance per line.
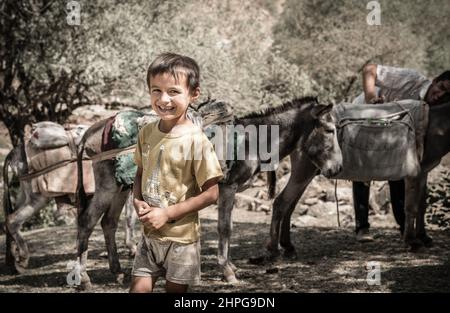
x=443, y=76
x=175, y=65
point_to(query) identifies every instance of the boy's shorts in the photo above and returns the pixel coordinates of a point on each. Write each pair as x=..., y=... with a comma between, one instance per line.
x=178, y=263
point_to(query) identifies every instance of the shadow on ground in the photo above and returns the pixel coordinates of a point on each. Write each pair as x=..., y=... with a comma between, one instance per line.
x=329, y=260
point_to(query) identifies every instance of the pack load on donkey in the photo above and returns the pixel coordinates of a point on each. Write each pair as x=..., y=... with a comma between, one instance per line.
x=119, y=138
x=51, y=156
x=381, y=141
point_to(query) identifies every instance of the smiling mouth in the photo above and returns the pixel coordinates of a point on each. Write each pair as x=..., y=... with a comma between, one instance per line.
x=166, y=110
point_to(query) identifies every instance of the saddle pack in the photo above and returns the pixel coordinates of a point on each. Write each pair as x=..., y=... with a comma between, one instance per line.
x=381, y=141
x=51, y=157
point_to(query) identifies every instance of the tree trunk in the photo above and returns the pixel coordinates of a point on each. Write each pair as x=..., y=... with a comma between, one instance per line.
x=16, y=133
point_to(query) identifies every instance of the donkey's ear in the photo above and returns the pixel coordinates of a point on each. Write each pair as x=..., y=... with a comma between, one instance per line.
x=321, y=109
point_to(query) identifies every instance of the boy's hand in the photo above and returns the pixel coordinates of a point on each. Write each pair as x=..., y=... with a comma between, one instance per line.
x=141, y=207
x=156, y=217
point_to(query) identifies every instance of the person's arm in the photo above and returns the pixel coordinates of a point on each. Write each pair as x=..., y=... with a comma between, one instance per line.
x=157, y=217
x=369, y=82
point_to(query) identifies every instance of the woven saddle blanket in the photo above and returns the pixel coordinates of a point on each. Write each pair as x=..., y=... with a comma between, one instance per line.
x=51, y=157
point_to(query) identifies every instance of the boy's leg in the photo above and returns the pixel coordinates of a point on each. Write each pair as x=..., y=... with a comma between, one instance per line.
x=142, y=284
x=175, y=288
x=146, y=270
x=183, y=266
x=361, y=206
x=397, y=192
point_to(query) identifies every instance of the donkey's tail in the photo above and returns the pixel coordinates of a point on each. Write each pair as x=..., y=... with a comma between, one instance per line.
x=82, y=200
x=272, y=180
x=7, y=204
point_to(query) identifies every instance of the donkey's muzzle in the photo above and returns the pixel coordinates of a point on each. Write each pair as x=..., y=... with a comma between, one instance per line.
x=333, y=171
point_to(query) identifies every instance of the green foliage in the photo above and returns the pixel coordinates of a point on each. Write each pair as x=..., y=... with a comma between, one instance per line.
x=232, y=48
x=36, y=80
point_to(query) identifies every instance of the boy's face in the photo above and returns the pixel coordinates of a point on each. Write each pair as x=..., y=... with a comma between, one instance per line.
x=169, y=97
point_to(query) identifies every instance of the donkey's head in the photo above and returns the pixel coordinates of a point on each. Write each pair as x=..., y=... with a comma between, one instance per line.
x=321, y=145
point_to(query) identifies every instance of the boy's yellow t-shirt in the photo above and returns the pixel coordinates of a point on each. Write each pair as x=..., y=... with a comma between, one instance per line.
x=175, y=166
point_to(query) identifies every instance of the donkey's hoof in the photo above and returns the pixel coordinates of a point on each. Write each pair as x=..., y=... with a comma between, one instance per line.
x=264, y=259
x=233, y=267
x=290, y=254
x=229, y=274
x=120, y=277
x=85, y=282
x=21, y=264
x=426, y=240
x=231, y=279
x=414, y=245
x=19, y=268
x=85, y=286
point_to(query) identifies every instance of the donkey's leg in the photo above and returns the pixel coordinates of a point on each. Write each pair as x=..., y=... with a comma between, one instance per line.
x=14, y=222
x=87, y=219
x=225, y=227
x=420, y=223
x=413, y=191
x=277, y=215
x=130, y=221
x=292, y=196
x=302, y=173
x=109, y=224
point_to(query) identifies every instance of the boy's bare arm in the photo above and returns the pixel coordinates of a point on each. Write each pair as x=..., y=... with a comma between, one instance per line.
x=140, y=205
x=369, y=81
x=209, y=195
x=159, y=216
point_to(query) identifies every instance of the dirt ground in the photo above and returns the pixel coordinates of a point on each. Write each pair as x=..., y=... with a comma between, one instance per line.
x=329, y=260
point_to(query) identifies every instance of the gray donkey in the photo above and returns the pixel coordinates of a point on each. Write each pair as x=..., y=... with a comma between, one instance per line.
x=307, y=133
x=303, y=123
x=437, y=145
x=28, y=204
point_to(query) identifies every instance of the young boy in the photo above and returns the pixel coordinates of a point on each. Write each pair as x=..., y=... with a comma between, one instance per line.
x=173, y=181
